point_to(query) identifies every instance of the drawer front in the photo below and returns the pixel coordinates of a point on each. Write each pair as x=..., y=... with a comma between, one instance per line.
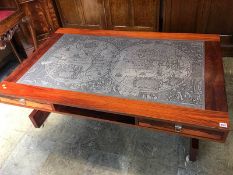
x=26, y=103
x=189, y=131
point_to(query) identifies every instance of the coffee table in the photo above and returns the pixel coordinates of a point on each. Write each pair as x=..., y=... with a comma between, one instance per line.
x=168, y=82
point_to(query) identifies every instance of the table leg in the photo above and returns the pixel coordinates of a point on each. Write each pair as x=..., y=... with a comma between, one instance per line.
x=15, y=51
x=38, y=117
x=194, y=145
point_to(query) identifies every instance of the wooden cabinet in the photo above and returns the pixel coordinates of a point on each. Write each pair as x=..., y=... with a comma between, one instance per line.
x=198, y=16
x=189, y=16
x=81, y=13
x=110, y=14
x=182, y=15
x=119, y=14
x=219, y=17
x=132, y=14
x=42, y=15
x=201, y=16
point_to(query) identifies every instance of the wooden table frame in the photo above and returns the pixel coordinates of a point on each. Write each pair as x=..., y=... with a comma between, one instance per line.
x=212, y=123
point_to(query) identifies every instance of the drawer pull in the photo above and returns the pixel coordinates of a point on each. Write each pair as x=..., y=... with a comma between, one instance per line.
x=22, y=101
x=178, y=128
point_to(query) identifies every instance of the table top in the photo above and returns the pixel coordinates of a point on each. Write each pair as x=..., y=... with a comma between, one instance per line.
x=175, y=78
x=165, y=71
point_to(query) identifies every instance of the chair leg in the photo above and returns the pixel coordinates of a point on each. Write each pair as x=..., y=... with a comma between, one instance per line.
x=28, y=22
x=33, y=34
x=15, y=51
x=25, y=32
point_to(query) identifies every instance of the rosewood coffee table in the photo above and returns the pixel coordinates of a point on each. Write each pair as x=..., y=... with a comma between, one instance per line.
x=160, y=81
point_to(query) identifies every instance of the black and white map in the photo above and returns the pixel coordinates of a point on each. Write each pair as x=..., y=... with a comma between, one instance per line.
x=165, y=71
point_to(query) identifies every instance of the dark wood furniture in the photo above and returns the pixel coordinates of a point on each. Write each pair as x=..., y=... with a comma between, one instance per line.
x=187, y=16
x=11, y=19
x=198, y=16
x=211, y=123
x=201, y=16
x=110, y=14
x=43, y=16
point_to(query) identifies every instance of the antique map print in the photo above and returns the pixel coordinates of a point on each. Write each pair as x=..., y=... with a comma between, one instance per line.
x=164, y=71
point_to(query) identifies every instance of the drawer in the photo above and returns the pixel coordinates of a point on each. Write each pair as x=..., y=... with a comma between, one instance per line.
x=26, y=103
x=189, y=131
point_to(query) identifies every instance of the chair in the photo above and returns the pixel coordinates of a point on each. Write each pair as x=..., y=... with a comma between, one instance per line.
x=10, y=21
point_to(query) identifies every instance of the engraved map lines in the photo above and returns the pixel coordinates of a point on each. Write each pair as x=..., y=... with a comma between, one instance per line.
x=156, y=70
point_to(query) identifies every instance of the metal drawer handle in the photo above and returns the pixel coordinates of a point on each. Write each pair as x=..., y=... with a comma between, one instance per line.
x=22, y=101
x=178, y=128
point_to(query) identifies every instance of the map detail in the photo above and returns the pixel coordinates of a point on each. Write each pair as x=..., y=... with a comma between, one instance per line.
x=164, y=71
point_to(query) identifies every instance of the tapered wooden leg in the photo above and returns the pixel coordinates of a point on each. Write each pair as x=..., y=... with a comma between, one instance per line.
x=38, y=117
x=194, y=146
x=15, y=51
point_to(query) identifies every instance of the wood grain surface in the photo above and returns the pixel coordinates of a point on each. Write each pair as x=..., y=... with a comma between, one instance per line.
x=172, y=113
x=215, y=94
x=145, y=35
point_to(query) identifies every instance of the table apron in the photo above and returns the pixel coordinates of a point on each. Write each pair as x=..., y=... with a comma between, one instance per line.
x=166, y=126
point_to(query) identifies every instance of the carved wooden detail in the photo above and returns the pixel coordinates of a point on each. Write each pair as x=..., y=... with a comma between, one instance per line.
x=188, y=16
x=11, y=18
x=9, y=25
x=43, y=16
x=7, y=37
x=201, y=16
